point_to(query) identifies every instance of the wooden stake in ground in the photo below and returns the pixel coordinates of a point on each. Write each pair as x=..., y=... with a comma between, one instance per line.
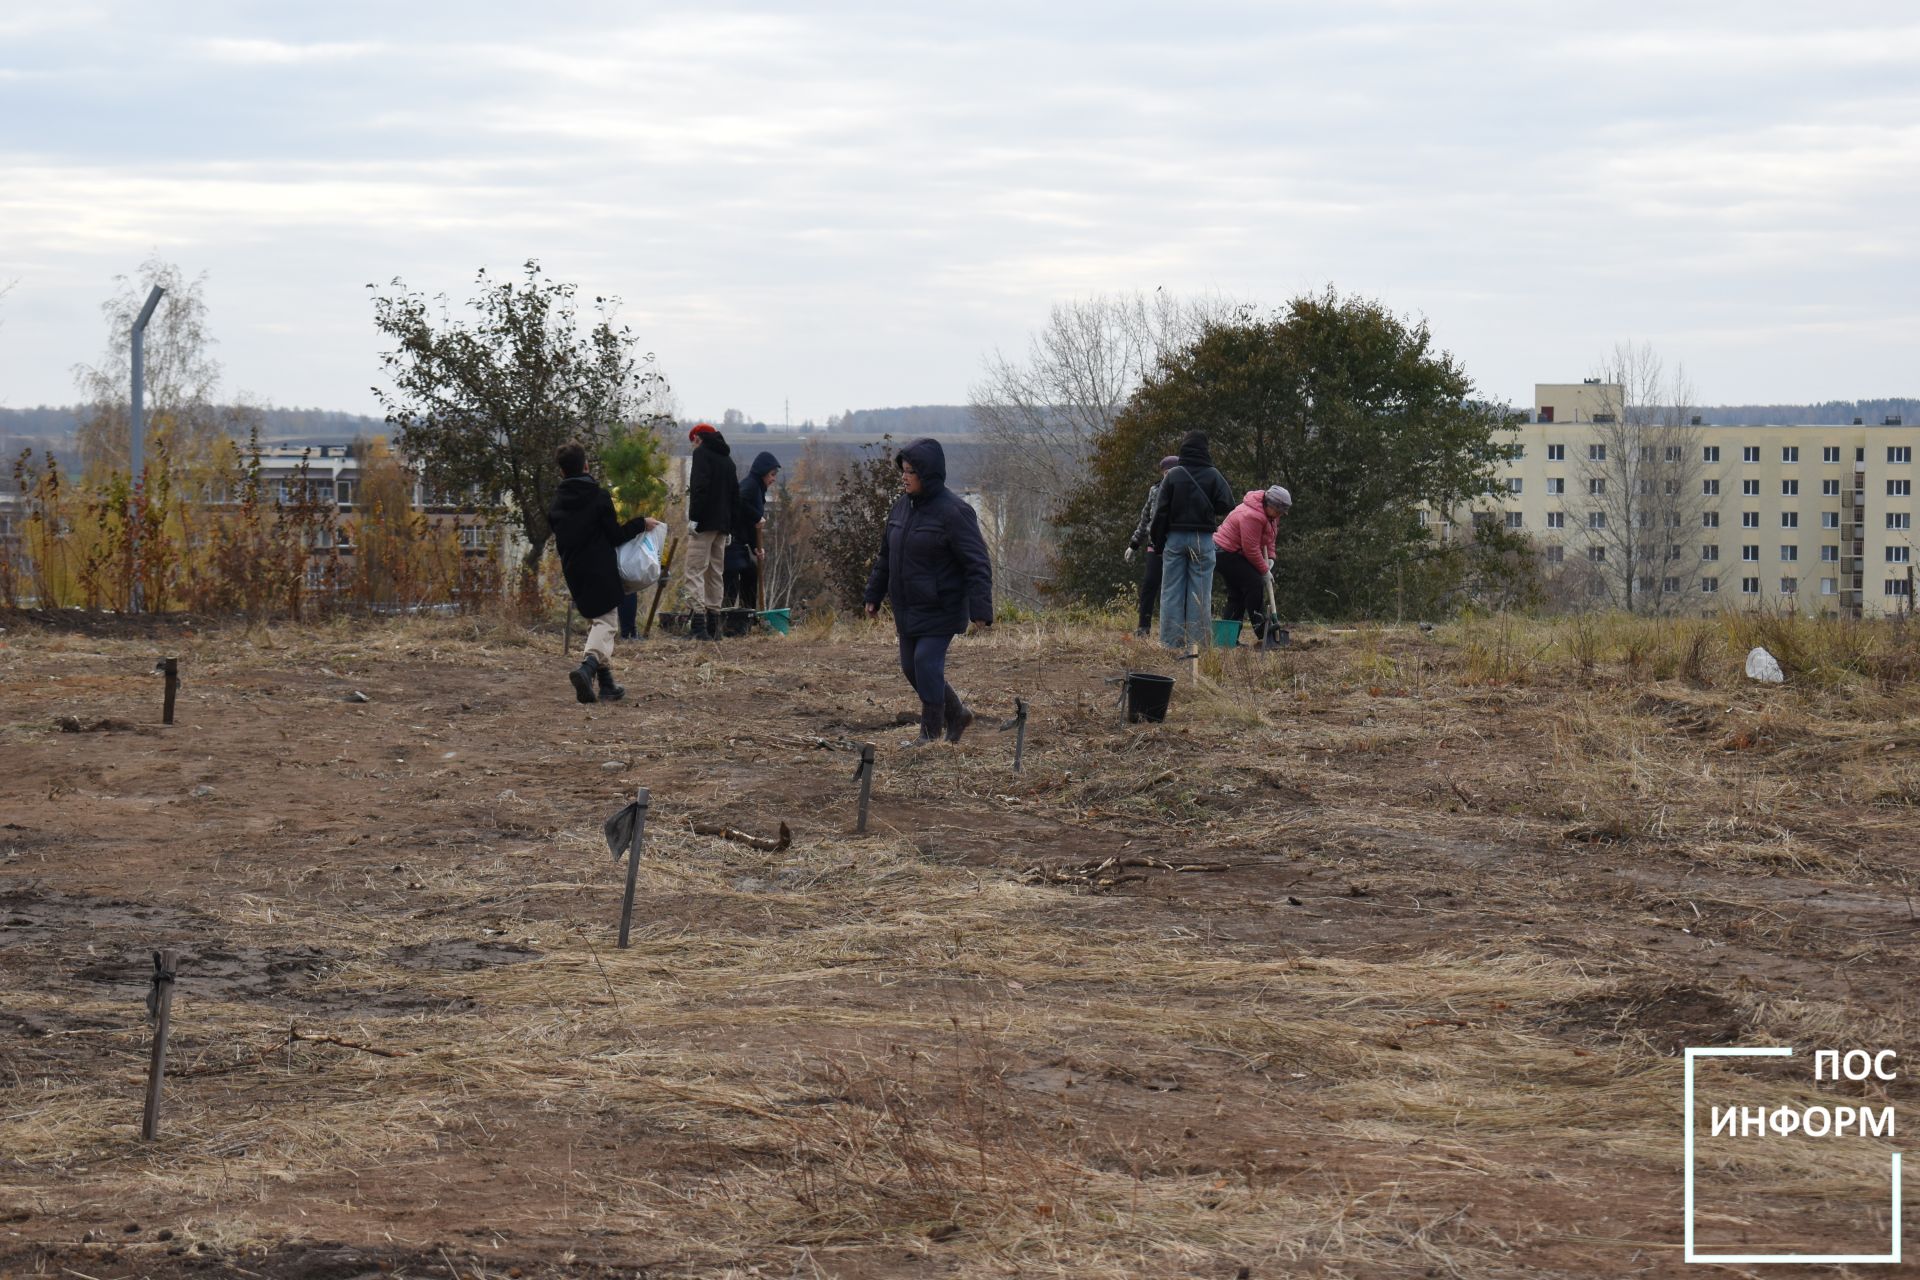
x=1019, y=726
x=666, y=564
x=160, y=1009
x=170, y=667
x=863, y=774
x=641, y=801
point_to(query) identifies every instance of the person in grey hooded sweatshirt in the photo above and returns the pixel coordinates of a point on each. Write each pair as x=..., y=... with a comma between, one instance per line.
x=933, y=565
x=1142, y=530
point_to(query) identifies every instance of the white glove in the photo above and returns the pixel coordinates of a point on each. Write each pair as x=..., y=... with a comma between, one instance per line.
x=1128, y=556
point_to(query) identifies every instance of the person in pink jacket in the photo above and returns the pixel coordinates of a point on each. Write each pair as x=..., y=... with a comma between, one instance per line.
x=1245, y=540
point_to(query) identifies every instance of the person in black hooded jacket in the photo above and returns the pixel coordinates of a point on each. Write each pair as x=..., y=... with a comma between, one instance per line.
x=1193, y=499
x=744, y=555
x=586, y=531
x=933, y=565
x=713, y=493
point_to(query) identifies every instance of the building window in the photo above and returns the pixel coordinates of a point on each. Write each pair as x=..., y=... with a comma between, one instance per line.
x=1483, y=519
x=1596, y=519
x=1555, y=485
x=1895, y=587
x=1789, y=551
x=1556, y=519
x=1513, y=520
x=1899, y=453
x=1709, y=585
x=1749, y=453
x=1513, y=484
x=1673, y=453
x=1789, y=586
x=1830, y=453
x=1670, y=585
x=1899, y=519
x=1425, y=517
x=1829, y=519
x=1556, y=553
x=1789, y=519
x=1750, y=586
x=1749, y=488
x=1711, y=488
x=1596, y=453
x=343, y=492
x=1860, y=454
x=1596, y=486
x=1829, y=488
x=1709, y=519
x=1711, y=453
x=1750, y=552
x=1789, y=453
x=1830, y=553
x=1546, y=413
x=1789, y=488
x=1899, y=488
x=1829, y=586
x=1899, y=555
x=1556, y=453
x=1710, y=551
x=1749, y=519
x=1597, y=554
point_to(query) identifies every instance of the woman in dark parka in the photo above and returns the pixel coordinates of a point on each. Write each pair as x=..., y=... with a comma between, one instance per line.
x=933, y=565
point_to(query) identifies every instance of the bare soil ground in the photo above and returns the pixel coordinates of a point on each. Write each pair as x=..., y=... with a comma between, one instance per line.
x=1389, y=979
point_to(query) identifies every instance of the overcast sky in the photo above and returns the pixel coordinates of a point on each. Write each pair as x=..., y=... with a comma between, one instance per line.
x=850, y=205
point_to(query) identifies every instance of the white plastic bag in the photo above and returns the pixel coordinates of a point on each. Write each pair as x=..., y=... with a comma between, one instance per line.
x=640, y=559
x=1762, y=666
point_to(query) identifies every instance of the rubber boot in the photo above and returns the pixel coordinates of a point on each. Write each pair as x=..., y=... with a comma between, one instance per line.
x=697, y=626
x=713, y=624
x=583, y=676
x=932, y=715
x=959, y=718
x=609, y=691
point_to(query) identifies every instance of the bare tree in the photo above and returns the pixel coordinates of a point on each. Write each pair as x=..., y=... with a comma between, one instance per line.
x=1643, y=472
x=181, y=373
x=1038, y=418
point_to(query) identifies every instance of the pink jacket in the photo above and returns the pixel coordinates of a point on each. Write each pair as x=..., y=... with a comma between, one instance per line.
x=1249, y=530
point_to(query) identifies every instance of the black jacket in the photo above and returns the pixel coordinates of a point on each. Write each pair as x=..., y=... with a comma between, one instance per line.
x=1193, y=497
x=586, y=531
x=932, y=563
x=749, y=511
x=713, y=488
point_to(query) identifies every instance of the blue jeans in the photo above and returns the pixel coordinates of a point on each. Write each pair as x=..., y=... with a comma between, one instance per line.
x=923, y=660
x=1186, y=590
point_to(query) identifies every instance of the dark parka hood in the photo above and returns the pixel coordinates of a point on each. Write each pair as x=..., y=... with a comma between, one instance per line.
x=715, y=441
x=762, y=464
x=929, y=463
x=1195, y=450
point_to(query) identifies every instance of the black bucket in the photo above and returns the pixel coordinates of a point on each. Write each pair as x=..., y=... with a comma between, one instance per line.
x=735, y=622
x=1147, y=696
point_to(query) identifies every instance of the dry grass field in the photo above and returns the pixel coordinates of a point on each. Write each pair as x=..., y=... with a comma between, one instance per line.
x=1374, y=960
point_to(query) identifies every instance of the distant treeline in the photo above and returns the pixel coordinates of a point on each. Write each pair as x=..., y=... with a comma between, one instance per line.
x=318, y=426
x=1831, y=413
x=911, y=420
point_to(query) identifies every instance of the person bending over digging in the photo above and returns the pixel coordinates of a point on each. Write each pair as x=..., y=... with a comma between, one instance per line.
x=586, y=531
x=1245, y=541
x=933, y=565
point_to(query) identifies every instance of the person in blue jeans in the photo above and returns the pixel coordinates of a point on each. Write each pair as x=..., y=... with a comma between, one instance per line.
x=933, y=565
x=1194, y=497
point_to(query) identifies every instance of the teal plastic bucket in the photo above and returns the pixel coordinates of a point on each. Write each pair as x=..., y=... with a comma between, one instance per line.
x=1226, y=633
x=780, y=620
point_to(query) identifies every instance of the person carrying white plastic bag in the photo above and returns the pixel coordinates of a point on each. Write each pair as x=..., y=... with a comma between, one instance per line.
x=589, y=536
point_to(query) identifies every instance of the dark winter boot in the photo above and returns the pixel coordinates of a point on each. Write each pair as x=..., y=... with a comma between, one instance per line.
x=609, y=691
x=582, y=677
x=932, y=717
x=713, y=624
x=959, y=718
x=697, y=626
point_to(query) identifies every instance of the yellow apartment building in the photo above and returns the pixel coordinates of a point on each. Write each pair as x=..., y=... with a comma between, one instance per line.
x=1816, y=519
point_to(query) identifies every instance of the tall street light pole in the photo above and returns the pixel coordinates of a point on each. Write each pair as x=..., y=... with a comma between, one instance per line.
x=138, y=427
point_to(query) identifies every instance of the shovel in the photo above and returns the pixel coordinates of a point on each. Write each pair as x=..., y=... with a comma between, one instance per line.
x=1272, y=634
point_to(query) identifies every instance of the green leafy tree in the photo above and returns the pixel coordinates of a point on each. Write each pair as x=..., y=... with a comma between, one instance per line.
x=482, y=403
x=1337, y=398
x=634, y=466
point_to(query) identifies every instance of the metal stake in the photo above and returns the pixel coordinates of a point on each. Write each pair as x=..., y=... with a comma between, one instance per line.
x=863, y=774
x=171, y=666
x=136, y=454
x=1019, y=727
x=633, y=862
x=160, y=1007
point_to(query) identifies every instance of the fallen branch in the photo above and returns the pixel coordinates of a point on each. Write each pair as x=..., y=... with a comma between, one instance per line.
x=769, y=843
x=297, y=1036
x=1105, y=873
